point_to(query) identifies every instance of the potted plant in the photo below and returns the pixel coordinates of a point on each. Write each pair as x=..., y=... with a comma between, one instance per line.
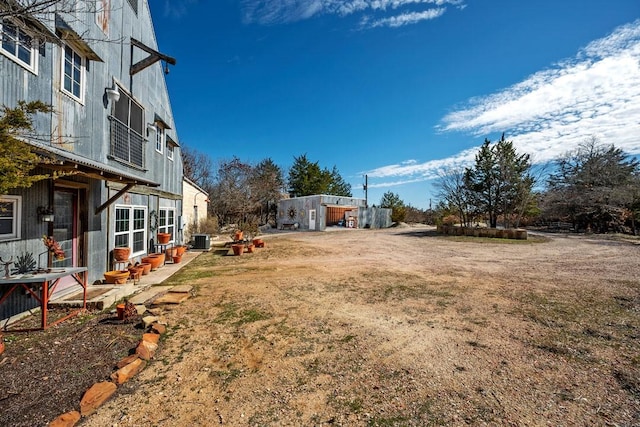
x=248, y=228
x=25, y=263
x=53, y=247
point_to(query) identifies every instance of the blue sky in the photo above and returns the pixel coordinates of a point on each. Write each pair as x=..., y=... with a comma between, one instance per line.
x=400, y=90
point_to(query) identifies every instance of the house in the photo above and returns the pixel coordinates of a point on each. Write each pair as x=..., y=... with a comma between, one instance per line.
x=196, y=201
x=111, y=135
x=318, y=212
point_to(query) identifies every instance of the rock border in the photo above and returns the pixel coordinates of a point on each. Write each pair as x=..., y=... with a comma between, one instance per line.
x=126, y=368
x=498, y=233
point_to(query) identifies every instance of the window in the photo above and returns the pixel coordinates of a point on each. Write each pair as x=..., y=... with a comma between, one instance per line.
x=127, y=142
x=167, y=221
x=169, y=151
x=130, y=228
x=160, y=138
x=19, y=46
x=10, y=217
x=73, y=70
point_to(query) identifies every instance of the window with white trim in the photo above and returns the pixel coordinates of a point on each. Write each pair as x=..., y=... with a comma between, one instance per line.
x=131, y=229
x=160, y=139
x=167, y=221
x=73, y=73
x=19, y=46
x=10, y=217
x=127, y=142
x=170, y=151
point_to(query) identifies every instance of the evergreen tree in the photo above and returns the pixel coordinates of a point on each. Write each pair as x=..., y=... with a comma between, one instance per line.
x=306, y=178
x=338, y=186
x=596, y=187
x=392, y=201
x=499, y=183
x=17, y=159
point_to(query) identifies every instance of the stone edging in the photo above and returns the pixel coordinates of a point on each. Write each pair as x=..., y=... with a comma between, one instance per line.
x=499, y=233
x=127, y=368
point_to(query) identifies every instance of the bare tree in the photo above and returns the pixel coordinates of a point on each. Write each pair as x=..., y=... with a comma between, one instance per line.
x=452, y=189
x=197, y=166
x=596, y=187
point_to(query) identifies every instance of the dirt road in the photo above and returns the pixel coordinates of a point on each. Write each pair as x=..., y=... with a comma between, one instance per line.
x=398, y=327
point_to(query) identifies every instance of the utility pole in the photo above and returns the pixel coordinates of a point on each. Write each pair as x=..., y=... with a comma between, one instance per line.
x=366, y=186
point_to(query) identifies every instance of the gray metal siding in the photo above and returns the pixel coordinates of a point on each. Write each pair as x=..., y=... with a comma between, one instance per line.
x=84, y=129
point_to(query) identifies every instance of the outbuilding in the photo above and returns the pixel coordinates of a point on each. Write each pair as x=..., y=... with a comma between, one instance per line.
x=317, y=212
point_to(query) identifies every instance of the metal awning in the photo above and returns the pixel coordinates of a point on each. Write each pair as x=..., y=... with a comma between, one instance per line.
x=65, y=161
x=22, y=16
x=159, y=120
x=73, y=39
x=74, y=163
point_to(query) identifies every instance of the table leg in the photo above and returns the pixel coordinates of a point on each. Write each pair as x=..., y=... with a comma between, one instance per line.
x=44, y=303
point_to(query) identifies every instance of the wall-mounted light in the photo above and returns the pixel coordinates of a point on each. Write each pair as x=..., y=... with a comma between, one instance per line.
x=45, y=213
x=151, y=128
x=113, y=94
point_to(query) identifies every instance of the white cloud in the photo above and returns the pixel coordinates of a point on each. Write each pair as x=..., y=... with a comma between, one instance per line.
x=404, y=19
x=417, y=172
x=597, y=93
x=270, y=12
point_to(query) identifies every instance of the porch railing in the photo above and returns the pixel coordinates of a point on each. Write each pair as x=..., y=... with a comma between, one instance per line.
x=127, y=145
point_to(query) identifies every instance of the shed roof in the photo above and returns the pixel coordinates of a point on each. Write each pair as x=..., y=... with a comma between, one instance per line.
x=72, y=162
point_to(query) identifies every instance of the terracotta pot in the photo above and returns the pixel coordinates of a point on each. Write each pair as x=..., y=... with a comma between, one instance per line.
x=237, y=236
x=259, y=243
x=163, y=238
x=120, y=311
x=121, y=254
x=146, y=268
x=171, y=252
x=156, y=260
x=181, y=249
x=177, y=259
x=1, y=344
x=135, y=272
x=117, y=277
x=237, y=249
x=250, y=248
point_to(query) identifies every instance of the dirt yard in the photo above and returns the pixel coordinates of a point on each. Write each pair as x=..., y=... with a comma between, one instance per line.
x=398, y=327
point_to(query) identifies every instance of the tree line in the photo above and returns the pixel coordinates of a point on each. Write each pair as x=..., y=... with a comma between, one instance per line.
x=246, y=195
x=595, y=187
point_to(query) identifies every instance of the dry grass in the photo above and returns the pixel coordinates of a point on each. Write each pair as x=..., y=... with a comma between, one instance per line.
x=399, y=328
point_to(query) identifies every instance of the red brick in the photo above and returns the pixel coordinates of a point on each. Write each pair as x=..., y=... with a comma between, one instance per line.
x=125, y=373
x=96, y=396
x=68, y=419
